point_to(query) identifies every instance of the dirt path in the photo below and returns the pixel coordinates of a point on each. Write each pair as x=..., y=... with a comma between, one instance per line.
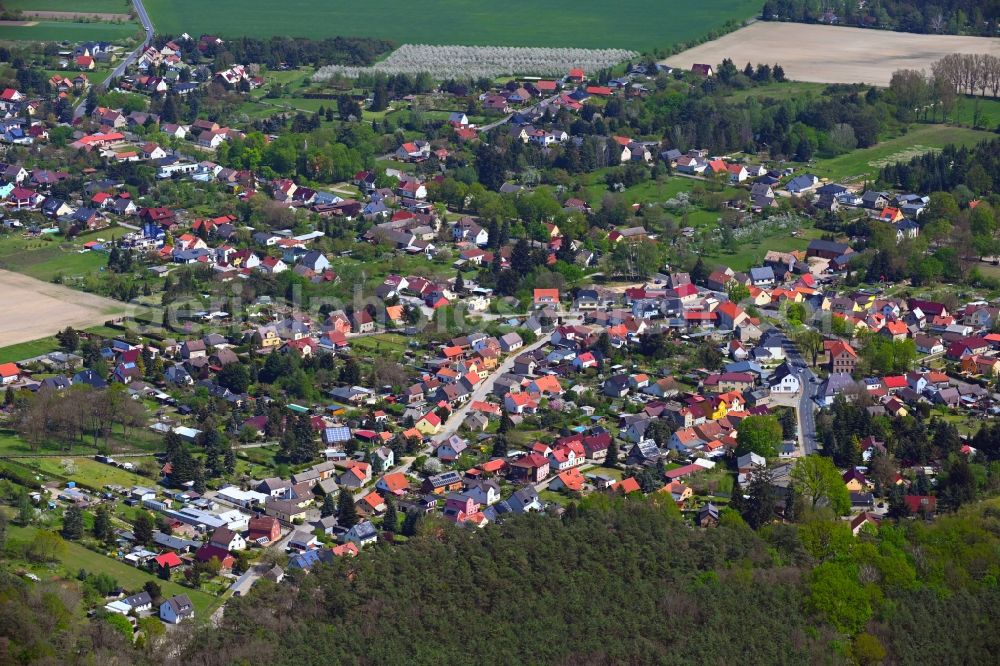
x=831, y=54
x=35, y=309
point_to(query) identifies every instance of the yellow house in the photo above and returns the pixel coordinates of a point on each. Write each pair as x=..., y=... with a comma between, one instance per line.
x=268, y=337
x=429, y=424
x=854, y=480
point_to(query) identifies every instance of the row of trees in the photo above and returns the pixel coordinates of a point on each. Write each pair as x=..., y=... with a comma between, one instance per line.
x=970, y=72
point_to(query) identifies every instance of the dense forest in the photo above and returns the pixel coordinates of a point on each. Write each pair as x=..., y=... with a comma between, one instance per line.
x=624, y=581
x=954, y=17
x=977, y=169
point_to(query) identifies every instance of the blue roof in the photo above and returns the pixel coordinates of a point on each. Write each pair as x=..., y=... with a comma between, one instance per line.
x=309, y=558
x=337, y=434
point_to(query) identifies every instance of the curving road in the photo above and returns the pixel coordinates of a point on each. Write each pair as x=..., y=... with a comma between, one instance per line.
x=147, y=27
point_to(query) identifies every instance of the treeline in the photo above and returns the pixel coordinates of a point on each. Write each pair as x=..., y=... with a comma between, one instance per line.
x=953, y=17
x=613, y=580
x=296, y=52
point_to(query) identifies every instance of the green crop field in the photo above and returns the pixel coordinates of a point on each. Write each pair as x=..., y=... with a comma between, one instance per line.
x=68, y=31
x=631, y=24
x=858, y=164
x=97, y=6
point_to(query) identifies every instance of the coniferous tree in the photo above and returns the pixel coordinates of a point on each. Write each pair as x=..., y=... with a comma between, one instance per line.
x=142, y=529
x=329, y=506
x=390, y=522
x=72, y=528
x=104, y=531
x=347, y=512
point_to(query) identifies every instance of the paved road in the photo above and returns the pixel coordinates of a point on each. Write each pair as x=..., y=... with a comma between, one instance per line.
x=807, y=403
x=484, y=389
x=147, y=27
x=505, y=119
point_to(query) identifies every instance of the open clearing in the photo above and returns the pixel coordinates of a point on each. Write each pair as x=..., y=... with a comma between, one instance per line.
x=829, y=54
x=856, y=165
x=37, y=309
x=629, y=24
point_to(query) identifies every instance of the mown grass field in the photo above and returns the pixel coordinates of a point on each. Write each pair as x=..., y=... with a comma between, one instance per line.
x=48, y=256
x=87, y=472
x=858, y=164
x=12, y=353
x=68, y=31
x=631, y=24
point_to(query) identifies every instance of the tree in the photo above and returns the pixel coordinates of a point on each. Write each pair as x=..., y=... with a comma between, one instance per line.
x=72, y=528
x=143, y=528
x=390, y=521
x=103, y=529
x=152, y=588
x=235, y=377
x=818, y=483
x=347, y=512
x=611, y=460
x=350, y=372
x=758, y=504
x=760, y=434
x=459, y=284
x=68, y=339
x=329, y=506
x=499, y=446
x=25, y=509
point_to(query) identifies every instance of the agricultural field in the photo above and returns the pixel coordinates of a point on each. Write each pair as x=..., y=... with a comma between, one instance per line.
x=829, y=54
x=858, y=164
x=77, y=6
x=639, y=25
x=66, y=31
x=43, y=307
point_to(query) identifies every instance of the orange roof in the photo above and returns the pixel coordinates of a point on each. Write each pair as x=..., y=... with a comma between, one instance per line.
x=9, y=370
x=629, y=485
x=572, y=479
x=431, y=418
x=373, y=499
x=548, y=384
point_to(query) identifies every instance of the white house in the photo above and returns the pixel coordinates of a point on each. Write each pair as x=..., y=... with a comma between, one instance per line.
x=784, y=380
x=176, y=608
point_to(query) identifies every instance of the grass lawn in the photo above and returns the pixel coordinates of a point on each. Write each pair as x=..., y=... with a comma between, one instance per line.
x=28, y=349
x=752, y=254
x=858, y=164
x=68, y=31
x=565, y=23
x=380, y=343
x=76, y=557
x=48, y=256
x=88, y=472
